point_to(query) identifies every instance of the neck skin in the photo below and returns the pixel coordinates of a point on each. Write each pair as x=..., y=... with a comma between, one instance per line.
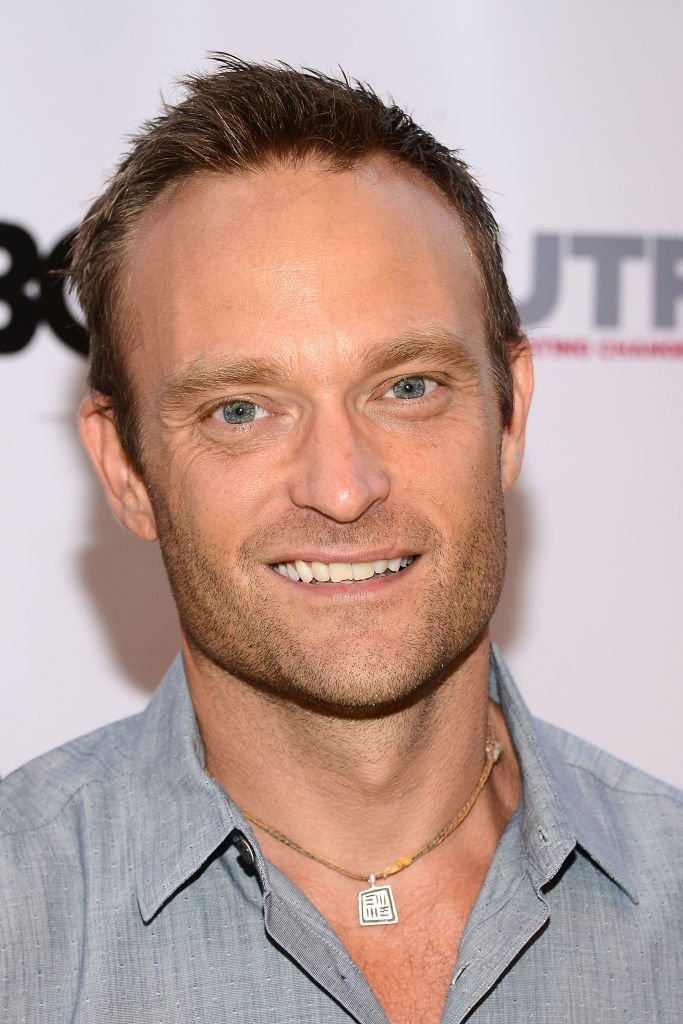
x=361, y=792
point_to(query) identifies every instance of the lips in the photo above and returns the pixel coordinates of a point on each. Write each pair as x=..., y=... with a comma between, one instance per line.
x=341, y=572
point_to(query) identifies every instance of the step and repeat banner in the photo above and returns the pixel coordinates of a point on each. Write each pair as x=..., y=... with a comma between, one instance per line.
x=570, y=115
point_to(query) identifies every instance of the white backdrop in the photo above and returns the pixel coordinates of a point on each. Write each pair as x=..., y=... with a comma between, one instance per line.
x=570, y=114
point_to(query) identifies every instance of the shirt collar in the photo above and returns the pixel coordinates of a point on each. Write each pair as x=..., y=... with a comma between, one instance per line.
x=556, y=815
x=181, y=816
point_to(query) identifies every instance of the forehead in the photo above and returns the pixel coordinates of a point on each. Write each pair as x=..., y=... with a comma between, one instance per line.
x=310, y=260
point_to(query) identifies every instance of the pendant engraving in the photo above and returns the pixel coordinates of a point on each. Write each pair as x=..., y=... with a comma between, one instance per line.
x=376, y=904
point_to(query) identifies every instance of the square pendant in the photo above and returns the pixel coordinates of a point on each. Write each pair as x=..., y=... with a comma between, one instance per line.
x=376, y=905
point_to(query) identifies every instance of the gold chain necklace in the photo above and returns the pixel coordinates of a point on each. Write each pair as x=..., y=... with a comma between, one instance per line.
x=377, y=905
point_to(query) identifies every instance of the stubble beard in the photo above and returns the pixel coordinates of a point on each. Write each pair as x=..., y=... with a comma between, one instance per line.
x=351, y=660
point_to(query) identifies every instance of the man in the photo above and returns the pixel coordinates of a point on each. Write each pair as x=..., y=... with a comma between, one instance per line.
x=309, y=383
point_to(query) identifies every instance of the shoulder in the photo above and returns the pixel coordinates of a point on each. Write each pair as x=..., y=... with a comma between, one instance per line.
x=598, y=769
x=59, y=817
x=38, y=793
x=642, y=815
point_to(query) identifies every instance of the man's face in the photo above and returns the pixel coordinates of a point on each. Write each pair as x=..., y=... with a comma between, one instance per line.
x=311, y=373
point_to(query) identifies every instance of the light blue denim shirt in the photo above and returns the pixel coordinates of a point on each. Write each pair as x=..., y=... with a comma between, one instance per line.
x=132, y=890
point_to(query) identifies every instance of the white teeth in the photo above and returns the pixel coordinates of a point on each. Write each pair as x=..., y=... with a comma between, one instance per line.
x=340, y=571
x=304, y=570
x=321, y=572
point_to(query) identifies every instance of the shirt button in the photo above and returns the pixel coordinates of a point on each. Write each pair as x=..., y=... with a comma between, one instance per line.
x=245, y=850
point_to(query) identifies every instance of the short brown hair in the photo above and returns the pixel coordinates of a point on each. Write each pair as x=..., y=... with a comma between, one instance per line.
x=238, y=118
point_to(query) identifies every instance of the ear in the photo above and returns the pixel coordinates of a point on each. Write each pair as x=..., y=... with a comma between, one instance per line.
x=125, y=489
x=512, y=445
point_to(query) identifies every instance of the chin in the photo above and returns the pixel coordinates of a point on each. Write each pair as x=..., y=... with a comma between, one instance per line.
x=352, y=677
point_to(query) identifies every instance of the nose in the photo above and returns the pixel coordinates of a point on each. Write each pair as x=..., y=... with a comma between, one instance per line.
x=337, y=471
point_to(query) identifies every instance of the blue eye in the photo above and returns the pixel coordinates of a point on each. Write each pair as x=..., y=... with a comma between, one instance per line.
x=410, y=387
x=240, y=411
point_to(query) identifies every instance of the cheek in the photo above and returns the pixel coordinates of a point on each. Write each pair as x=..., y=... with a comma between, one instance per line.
x=450, y=473
x=216, y=485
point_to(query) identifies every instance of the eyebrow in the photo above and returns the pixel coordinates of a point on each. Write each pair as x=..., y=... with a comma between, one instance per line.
x=202, y=376
x=433, y=346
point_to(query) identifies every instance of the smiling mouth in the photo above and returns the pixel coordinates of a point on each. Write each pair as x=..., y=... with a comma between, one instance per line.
x=342, y=572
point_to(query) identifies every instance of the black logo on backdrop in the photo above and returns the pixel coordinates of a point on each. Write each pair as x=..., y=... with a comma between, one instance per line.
x=33, y=290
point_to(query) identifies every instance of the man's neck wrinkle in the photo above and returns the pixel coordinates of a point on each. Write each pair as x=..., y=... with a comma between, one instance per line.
x=326, y=781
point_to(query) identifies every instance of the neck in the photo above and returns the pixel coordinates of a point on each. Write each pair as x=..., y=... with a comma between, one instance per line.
x=362, y=791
